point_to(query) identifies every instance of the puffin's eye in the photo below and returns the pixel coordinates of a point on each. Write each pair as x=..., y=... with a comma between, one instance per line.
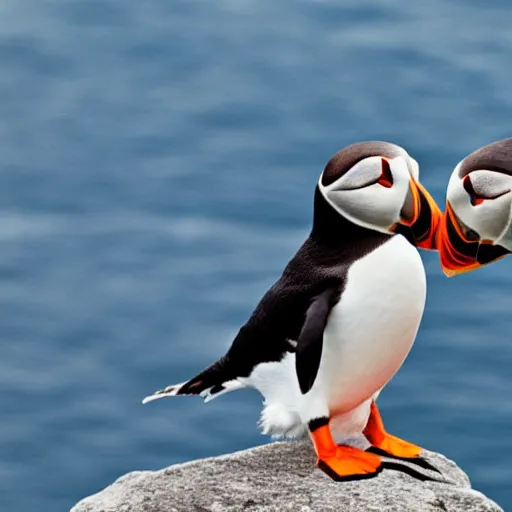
x=473, y=196
x=386, y=178
x=478, y=198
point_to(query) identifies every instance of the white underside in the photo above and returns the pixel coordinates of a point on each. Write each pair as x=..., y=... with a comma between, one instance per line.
x=368, y=335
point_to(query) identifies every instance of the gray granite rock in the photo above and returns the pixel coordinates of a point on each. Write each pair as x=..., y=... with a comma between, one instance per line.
x=281, y=477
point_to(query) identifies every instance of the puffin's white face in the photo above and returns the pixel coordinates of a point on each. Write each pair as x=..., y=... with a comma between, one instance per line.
x=476, y=228
x=376, y=185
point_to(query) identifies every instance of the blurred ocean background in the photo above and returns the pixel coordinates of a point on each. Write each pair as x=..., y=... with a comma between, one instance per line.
x=157, y=166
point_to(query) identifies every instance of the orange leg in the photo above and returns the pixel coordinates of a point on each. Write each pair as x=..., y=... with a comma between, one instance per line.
x=378, y=437
x=343, y=462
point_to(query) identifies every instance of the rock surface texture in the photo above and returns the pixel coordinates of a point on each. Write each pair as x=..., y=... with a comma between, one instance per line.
x=282, y=477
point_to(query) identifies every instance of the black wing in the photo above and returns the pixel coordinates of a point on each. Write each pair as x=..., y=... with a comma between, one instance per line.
x=309, y=344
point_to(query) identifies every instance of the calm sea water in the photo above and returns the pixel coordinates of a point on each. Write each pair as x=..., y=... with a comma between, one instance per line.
x=157, y=165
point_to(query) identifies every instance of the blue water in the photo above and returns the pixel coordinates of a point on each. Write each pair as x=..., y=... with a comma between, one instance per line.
x=157, y=165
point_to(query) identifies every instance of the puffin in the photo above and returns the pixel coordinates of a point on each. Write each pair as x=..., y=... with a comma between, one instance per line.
x=476, y=226
x=337, y=325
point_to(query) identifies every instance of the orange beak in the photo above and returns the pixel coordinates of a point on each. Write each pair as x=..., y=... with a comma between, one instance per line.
x=424, y=223
x=459, y=254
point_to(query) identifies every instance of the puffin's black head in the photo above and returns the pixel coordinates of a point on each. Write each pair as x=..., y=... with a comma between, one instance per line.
x=476, y=225
x=375, y=185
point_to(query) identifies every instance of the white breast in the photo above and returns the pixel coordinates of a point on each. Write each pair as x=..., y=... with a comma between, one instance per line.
x=368, y=335
x=372, y=328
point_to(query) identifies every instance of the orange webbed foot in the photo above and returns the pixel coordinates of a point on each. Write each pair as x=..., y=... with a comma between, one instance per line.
x=342, y=463
x=348, y=463
x=379, y=438
x=398, y=447
x=385, y=444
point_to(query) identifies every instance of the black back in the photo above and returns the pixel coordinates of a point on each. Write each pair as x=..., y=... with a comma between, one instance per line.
x=322, y=262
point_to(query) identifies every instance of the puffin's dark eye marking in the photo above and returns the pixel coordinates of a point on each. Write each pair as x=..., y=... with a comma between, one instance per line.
x=476, y=198
x=386, y=178
x=473, y=196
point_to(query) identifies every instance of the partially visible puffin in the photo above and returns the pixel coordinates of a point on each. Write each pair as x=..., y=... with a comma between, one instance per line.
x=334, y=329
x=476, y=227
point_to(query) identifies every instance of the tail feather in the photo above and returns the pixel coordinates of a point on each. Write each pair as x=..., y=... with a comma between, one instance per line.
x=162, y=393
x=208, y=394
x=210, y=383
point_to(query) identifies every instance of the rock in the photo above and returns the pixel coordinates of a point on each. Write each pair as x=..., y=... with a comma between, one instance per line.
x=280, y=477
